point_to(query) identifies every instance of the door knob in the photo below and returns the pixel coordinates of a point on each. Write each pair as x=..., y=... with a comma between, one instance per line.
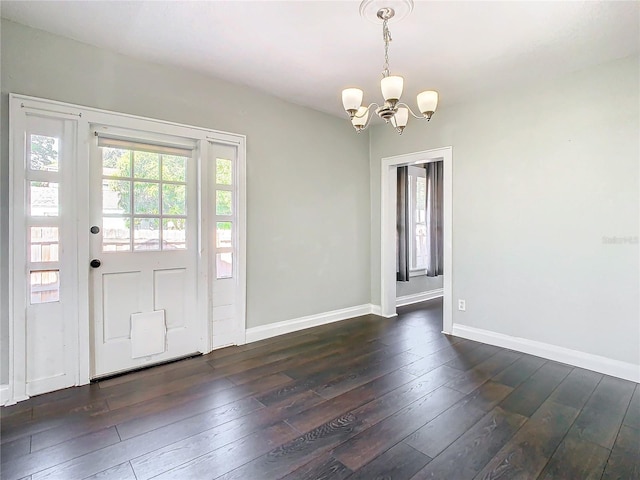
x=95, y=229
x=95, y=263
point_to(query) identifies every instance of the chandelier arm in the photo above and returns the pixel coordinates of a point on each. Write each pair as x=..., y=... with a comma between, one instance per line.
x=366, y=124
x=368, y=110
x=410, y=111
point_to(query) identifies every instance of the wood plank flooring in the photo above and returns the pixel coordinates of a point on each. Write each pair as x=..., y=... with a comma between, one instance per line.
x=367, y=398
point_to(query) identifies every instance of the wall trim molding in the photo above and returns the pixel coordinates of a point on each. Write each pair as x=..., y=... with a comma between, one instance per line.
x=419, y=297
x=4, y=394
x=597, y=363
x=262, y=332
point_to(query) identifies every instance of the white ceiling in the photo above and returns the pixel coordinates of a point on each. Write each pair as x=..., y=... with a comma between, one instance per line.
x=308, y=51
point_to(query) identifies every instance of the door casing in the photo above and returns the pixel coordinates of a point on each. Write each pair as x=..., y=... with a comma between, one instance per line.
x=388, y=187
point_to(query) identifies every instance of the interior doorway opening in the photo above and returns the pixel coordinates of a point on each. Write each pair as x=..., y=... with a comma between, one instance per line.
x=388, y=208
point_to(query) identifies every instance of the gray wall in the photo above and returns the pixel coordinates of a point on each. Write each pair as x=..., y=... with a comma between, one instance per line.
x=419, y=284
x=307, y=172
x=540, y=176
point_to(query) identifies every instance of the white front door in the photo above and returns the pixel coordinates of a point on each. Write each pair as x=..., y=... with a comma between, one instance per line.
x=144, y=250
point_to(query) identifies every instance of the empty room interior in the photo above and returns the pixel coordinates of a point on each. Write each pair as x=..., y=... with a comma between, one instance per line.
x=262, y=240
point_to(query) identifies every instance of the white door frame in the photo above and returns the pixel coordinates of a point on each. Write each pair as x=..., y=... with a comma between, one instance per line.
x=388, y=189
x=86, y=116
x=17, y=253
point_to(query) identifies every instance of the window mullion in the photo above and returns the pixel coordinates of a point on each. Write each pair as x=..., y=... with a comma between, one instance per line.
x=132, y=195
x=157, y=201
x=412, y=221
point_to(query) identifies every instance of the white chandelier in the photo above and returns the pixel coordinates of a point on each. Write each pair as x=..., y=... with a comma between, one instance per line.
x=392, y=111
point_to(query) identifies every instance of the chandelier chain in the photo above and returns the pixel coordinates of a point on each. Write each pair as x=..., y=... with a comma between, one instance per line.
x=386, y=36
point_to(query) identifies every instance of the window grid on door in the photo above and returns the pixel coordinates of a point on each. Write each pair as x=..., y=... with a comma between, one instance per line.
x=144, y=197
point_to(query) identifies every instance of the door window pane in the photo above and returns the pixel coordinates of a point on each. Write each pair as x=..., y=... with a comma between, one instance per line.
x=173, y=199
x=223, y=234
x=116, y=162
x=146, y=198
x=43, y=199
x=174, y=234
x=44, y=244
x=116, y=234
x=44, y=153
x=224, y=169
x=146, y=165
x=223, y=202
x=139, y=183
x=224, y=265
x=45, y=286
x=174, y=169
x=146, y=234
x=116, y=196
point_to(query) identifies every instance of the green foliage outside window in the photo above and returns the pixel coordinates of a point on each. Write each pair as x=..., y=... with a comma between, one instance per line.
x=44, y=153
x=147, y=166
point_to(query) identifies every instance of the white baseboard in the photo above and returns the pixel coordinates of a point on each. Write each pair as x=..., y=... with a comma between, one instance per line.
x=4, y=394
x=377, y=310
x=280, y=328
x=419, y=297
x=608, y=366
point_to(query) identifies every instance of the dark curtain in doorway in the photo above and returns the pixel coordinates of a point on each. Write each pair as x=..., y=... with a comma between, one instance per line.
x=402, y=225
x=434, y=219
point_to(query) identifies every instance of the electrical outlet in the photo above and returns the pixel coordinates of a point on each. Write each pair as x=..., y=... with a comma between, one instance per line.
x=462, y=305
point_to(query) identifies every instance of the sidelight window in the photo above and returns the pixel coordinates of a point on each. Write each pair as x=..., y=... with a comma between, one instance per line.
x=225, y=219
x=43, y=219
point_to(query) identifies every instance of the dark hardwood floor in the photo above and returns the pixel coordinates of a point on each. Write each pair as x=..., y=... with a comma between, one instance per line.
x=367, y=398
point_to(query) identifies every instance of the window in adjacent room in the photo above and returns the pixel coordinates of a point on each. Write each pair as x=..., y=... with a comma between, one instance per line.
x=418, y=245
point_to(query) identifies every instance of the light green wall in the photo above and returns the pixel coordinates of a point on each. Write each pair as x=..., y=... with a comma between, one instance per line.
x=540, y=176
x=307, y=172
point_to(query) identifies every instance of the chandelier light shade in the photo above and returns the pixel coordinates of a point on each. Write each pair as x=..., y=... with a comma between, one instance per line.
x=360, y=119
x=427, y=103
x=400, y=119
x=392, y=88
x=392, y=110
x=352, y=99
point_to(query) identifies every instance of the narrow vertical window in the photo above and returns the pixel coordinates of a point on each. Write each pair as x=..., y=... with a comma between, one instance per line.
x=224, y=211
x=43, y=176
